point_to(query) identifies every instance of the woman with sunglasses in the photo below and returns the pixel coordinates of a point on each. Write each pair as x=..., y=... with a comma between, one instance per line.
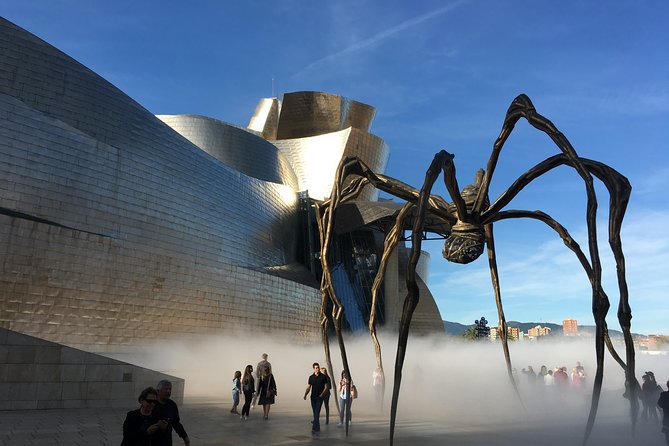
x=139, y=425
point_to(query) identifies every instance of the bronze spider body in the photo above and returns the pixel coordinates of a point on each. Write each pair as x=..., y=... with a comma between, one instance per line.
x=470, y=217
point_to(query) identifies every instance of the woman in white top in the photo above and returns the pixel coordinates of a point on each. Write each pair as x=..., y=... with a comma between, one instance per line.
x=343, y=394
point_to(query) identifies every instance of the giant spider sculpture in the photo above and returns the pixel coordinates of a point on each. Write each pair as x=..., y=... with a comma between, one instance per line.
x=470, y=217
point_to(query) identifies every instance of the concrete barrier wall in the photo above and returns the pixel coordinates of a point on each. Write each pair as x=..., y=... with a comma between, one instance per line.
x=37, y=374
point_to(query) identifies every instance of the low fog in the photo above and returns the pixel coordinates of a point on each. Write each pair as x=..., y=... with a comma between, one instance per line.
x=444, y=379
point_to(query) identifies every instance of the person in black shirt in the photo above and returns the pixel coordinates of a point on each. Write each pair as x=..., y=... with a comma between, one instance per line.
x=248, y=388
x=140, y=426
x=318, y=386
x=167, y=411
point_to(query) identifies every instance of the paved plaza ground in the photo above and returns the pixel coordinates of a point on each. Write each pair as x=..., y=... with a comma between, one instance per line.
x=210, y=423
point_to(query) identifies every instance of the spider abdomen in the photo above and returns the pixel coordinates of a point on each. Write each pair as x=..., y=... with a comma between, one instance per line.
x=465, y=243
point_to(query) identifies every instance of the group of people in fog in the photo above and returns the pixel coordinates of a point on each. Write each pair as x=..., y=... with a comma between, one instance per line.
x=260, y=389
x=152, y=424
x=654, y=398
x=554, y=377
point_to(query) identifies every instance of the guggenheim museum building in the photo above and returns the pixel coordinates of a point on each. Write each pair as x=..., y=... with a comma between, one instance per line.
x=120, y=227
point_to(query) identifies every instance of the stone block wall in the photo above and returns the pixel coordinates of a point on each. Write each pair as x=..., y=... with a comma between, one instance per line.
x=37, y=374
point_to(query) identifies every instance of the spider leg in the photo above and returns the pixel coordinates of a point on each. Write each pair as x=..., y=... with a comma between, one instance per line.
x=389, y=245
x=492, y=262
x=324, y=219
x=523, y=107
x=354, y=166
x=619, y=190
x=573, y=246
x=325, y=294
x=412, y=297
x=347, y=167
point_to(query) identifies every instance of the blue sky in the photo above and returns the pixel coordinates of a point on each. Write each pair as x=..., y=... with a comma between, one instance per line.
x=441, y=75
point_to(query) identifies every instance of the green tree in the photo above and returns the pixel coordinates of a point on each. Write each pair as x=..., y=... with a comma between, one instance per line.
x=470, y=334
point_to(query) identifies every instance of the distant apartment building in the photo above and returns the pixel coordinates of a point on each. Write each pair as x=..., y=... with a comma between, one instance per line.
x=513, y=333
x=537, y=331
x=653, y=343
x=570, y=327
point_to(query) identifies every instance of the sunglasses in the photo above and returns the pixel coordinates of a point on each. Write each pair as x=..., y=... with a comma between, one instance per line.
x=151, y=401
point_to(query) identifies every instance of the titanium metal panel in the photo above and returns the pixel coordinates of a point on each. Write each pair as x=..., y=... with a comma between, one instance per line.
x=265, y=119
x=315, y=159
x=310, y=113
x=235, y=147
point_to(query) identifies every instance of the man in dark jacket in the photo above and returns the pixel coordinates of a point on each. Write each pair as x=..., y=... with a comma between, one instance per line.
x=167, y=410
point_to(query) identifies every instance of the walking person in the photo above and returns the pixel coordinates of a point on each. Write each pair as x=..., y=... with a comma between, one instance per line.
x=318, y=386
x=167, y=410
x=345, y=387
x=248, y=384
x=266, y=391
x=140, y=426
x=236, y=390
x=326, y=399
x=650, y=392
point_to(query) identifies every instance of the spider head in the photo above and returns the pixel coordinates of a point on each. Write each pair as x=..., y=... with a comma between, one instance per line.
x=464, y=244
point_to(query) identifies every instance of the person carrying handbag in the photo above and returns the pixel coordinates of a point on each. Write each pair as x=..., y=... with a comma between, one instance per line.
x=267, y=391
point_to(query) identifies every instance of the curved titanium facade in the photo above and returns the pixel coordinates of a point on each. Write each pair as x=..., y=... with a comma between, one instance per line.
x=265, y=119
x=116, y=229
x=315, y=159
x=311, y=113
x=235, y=147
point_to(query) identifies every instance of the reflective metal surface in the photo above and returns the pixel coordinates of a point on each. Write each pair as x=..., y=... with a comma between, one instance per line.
x=114, y=229
x=310, y=113
x=235, y=147
x=265, y=119
x=315, y=158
